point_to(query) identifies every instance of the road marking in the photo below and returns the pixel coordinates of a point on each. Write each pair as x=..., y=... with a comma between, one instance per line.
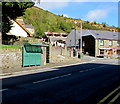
x=114, y=99
x=81, y=71
x=3, y=90
x=87, y=70
x=51, y=78
x=65, y=75
x=92, y=68
x=105, y=98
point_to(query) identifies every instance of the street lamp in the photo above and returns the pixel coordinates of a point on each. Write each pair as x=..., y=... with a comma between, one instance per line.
x=81, y=37
x=75, y=38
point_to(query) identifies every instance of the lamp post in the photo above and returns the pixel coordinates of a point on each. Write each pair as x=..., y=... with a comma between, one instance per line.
x=81, y=37
x=75, y=38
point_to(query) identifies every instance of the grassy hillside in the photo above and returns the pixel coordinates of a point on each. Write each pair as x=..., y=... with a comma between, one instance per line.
x=44, y=21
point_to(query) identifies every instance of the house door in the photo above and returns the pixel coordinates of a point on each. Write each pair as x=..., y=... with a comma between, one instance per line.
x=110, y=52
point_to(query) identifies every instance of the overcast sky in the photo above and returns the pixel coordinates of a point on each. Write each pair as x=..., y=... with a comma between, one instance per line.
x=100, y=11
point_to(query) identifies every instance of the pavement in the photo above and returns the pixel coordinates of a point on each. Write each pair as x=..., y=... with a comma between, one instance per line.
x=48, y=67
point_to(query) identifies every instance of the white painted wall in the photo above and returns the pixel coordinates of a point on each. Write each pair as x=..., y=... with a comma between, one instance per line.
x=17, y=30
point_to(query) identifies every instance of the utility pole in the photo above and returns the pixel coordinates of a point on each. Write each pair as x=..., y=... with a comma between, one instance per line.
x=75, y=38
x=81, y=37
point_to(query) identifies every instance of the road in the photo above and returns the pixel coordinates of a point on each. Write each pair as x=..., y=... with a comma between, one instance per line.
x=84, y=83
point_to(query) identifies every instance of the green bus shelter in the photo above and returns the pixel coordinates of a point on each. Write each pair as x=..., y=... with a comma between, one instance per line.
x=32, y=54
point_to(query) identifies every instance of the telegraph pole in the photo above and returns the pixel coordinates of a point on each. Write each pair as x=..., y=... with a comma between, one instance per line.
x=75, y=38
x=81, y=37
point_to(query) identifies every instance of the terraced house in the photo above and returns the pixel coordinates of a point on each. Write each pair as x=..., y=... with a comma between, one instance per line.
x=97, y=43
x=101, y=43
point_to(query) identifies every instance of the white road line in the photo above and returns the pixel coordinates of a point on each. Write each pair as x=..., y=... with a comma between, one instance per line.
x=92, y=69
x=86, y=70
x=81, y=71
x=51, y=78
x=65, y=75
x=42, y=81
x=3, y=90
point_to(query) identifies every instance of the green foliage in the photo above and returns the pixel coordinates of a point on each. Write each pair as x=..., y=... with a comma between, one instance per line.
x=44, y=21
x=89, y=26
x=10, y=46
x=95, y=22
x=118, y=29
x=87, y=22
x=12, y=10
x=6, y=25
x=104, y=25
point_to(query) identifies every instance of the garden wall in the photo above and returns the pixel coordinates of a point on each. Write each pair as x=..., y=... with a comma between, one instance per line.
x=10, y=58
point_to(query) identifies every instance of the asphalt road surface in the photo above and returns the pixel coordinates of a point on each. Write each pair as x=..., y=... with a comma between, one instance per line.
x=77, y=84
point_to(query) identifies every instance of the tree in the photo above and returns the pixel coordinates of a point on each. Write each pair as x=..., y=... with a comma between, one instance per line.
x=95, y=22
x=104, y=25
x=10, y=11
x=87, y=22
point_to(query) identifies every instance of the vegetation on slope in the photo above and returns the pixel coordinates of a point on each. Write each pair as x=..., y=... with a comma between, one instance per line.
x=45, y=21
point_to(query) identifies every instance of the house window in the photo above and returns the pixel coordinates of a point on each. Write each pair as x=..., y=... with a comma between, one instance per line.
x=118, y=43
x=101, y=42
x=101, y=51
x=118, y=52
x=110, y=42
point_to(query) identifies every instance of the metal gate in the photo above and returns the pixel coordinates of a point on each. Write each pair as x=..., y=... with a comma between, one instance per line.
x=31, y=54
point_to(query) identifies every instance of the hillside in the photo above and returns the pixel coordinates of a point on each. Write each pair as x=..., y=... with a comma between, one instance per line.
x=44, y=21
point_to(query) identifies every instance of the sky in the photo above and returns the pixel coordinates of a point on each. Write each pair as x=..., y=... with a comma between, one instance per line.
x=102, y=11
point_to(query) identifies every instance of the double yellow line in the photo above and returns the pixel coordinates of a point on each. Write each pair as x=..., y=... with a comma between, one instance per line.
x=109, y=95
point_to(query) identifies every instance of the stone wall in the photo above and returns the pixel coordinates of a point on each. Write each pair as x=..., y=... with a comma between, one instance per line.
x=10, y=58
x=43, y=56
x=60, y=54
x=22, y=40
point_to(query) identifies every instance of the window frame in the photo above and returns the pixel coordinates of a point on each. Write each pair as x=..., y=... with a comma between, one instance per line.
x=101, y=42
x=110, y=42
x=118, y=43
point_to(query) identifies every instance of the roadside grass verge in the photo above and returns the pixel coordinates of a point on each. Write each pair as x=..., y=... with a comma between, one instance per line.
x=10, y=46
